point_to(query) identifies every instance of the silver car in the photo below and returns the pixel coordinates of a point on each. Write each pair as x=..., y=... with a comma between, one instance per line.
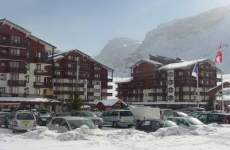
x=118, y=118
x=68, y=123
x=98, y=121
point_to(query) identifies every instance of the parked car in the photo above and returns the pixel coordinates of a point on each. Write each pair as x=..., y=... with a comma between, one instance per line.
x=195, y=114
x=173, y=113
x=209, y=117
x=153, y=125
x=68, y=123
x=23, y=121
x=186, y=121
x=43, y=117
x=98, y=121
x=118, y=118
x=5, y=118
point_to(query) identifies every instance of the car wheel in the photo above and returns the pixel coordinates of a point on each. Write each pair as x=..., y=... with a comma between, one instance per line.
x=13, y=131
x=114, y=124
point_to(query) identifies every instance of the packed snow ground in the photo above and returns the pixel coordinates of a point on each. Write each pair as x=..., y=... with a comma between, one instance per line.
x=211, y=137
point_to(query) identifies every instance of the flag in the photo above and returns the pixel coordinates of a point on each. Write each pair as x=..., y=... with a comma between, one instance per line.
x=219, y=55
x=195, y=71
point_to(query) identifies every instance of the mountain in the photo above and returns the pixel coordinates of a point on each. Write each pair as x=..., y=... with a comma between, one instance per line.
x=188, y=38
x=116, y=54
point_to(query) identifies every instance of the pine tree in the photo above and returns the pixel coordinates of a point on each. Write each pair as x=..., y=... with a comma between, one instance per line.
x=75, y=103
x=210, y=105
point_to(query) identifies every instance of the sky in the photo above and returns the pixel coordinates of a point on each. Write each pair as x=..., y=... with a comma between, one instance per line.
x=88, y=25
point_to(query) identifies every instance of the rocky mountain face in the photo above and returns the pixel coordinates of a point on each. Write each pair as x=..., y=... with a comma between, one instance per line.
x=117, y=54
x=188, y=38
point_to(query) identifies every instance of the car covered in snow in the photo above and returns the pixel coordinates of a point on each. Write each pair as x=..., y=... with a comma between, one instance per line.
x=23, y=121
x=118, y=118
x=153, y=125
x=43, y=117
x=187, y=122
x=214, y=117
x=68, y=123
x=98, y=121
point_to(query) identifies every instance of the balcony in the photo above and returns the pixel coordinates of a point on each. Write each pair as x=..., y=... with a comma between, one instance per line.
x=12, y=44
x=107, y=94
x=16, y=82
x=42, y=85
x=57, y=92
x=20, y=69
x=41, y=72
x=109, y=87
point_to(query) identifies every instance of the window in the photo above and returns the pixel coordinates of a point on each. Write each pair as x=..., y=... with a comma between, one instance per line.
x=14, y=64
x=180, y=73
x=3, y=64
x=15, y=39
x=38, y=66
x=27, y=78
x=38, y=79
x=37, y=91
x=15, y=52
x=2, y=90
x=170, y=90
x=14, y=76
x=2, y=76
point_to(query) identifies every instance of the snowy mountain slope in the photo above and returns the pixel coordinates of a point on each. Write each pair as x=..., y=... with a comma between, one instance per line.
x=189, y=38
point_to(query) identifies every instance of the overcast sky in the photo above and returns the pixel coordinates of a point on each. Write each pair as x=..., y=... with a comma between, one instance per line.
x=88, y=24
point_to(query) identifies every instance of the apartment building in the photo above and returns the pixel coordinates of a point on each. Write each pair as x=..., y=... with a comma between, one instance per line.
x=23, y=58
x=77, y=73
x=163, y=81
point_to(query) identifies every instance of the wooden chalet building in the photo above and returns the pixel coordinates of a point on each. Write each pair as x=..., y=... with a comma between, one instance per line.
x=23, y=58
x=165, y=82
x=30, y=67
x=77, y=73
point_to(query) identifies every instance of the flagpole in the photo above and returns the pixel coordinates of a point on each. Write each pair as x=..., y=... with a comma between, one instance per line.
x=222, y=96
x=197, y=89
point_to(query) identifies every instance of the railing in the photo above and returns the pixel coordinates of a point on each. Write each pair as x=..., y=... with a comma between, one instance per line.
x=16, y=82
x=20, y=69
x=41, y=72
x=42, y=85
x=11, y=43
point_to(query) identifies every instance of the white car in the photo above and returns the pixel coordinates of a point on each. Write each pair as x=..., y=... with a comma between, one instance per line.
x=23, y=121
x=118, y=118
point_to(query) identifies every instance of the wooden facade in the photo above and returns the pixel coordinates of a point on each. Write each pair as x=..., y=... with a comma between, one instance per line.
x=30, y=67
x=162, y=79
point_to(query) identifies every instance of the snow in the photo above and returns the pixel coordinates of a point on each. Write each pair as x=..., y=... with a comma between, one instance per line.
x=109, y=102
x=183, y=64
x=210, y=137
x=27, y=99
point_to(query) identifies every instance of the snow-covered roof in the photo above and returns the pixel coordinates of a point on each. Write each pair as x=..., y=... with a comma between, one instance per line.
x=109, y=102
x=183, y=64
x=148, y=61
x=27, y=99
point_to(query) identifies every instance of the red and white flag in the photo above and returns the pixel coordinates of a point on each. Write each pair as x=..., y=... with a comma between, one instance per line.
x=219, y=55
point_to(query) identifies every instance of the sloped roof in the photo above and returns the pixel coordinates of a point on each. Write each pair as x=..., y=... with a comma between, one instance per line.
x=147, y=61
x=110, y=102
x=61, y=55
x=20, y=28
x=183, y=64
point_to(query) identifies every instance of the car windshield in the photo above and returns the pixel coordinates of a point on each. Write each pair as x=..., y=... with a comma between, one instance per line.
x=126, y=113
x=181, y=114
x=169, y=123
x=83, y=114
x=194, y=121
x=25, y=116
x=79, y=123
